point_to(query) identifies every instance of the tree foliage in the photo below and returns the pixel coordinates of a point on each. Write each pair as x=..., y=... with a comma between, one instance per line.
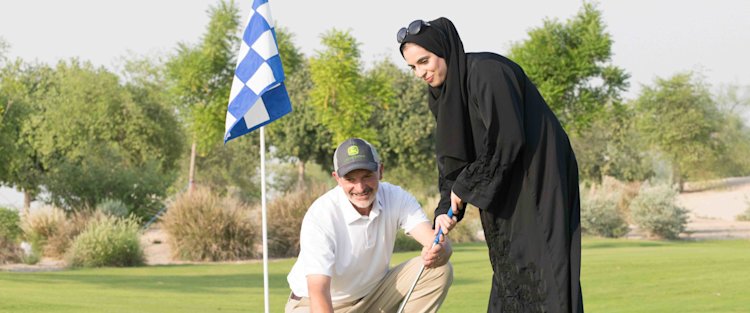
x=22, y=87
x=406, y=126
x=201, y=75
x=338, y=93
x=569, y=63
x=96, y=142
x=733, y=104
x=678, y=118
x=300, y=134
x=613, y=147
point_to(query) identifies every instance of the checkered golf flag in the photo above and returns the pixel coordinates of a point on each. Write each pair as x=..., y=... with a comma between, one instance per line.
x=258, y=94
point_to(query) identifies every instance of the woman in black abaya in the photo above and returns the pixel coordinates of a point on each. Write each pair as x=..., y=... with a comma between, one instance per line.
x=500, y=148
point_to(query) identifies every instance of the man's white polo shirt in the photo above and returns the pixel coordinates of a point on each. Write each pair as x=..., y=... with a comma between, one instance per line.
x=354, y=250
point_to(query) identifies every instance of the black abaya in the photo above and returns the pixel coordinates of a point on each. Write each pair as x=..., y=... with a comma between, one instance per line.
x=525, y=181
x=500, y=148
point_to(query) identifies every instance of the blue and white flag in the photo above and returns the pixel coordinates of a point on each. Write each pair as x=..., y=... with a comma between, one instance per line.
x=258, y=94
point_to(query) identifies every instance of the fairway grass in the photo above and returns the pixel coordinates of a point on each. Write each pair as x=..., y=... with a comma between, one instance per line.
x=617, y=276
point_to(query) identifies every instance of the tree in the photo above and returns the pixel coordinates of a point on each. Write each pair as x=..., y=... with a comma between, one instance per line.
x=678, y=118
x=338, y=94
x=733, y=104
x=200, y=78
x=612, y=147
x=22, y=86
x=407, y=144
x=157, y=121
x=299, y=135
x=569, y=63
x=95, y=142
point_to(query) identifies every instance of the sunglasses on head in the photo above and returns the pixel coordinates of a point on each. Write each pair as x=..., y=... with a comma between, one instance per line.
x=414, y=28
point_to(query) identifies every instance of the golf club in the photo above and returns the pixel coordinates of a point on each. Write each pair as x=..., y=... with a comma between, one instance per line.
x=421, y=269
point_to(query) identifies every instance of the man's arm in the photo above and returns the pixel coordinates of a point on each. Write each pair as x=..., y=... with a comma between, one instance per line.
x=437, y=255
x=319, y=290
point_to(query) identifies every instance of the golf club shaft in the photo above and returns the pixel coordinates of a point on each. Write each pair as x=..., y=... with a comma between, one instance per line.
x=421, y=269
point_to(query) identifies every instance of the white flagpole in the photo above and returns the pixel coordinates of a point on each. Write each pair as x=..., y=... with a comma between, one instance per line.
x=263, y=215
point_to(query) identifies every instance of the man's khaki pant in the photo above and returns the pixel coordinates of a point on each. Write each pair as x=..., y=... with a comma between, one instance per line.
x=427, y=296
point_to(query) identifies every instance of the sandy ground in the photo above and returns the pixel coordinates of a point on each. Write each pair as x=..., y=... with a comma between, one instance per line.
x=156, y=247
x=713, y=208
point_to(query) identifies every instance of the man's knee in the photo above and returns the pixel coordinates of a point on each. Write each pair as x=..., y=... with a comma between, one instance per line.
x=442, y=274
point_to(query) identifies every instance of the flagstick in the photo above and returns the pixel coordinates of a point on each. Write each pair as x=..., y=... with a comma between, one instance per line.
x=263, y=215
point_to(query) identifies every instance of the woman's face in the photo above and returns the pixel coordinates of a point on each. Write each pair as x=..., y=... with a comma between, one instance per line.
x=425, y=64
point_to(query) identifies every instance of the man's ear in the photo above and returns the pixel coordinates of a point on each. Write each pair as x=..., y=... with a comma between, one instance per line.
x=380, y=171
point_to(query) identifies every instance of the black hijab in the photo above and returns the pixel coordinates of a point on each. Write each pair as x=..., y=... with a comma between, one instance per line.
x=448, y=103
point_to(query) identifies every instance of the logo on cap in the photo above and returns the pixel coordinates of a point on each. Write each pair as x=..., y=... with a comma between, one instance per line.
x=353, y=150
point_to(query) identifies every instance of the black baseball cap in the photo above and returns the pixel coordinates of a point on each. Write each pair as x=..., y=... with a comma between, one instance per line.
x=355, y=154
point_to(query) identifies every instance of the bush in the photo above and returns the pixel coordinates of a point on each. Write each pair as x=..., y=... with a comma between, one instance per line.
x=654, y=209
x=9, y=251
x=41, y=224
x=9, y=233
x=113, y=207
x=467, y=229
x=204, y=227
x=405, y=242
x=27, y=255
x=59, y=242
x=285, y=214
x=107, y=241
x=9, y=224
x=601, y=215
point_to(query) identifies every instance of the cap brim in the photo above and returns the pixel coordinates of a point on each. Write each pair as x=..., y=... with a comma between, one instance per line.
x=370, y=166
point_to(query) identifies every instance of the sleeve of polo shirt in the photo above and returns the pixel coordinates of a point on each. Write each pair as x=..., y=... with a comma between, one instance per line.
x=317, y=247
x=411, y=212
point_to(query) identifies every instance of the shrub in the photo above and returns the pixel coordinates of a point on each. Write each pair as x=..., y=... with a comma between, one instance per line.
x=76, y=222
x=405, y=242
x=600, y=213
x=467, y=229
x=41, y=224
x=654, y=209
x=27, y=255
x=9, y=224
x=113, y=207
x=204, y=227
x=285, y=214
x=9, y=233
x=9, y=251
x=107, y=241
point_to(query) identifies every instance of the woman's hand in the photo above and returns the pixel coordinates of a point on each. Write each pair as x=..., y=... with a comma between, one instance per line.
x=447, y=223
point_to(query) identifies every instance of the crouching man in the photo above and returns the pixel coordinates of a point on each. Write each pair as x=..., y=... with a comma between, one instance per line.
x=347, y=241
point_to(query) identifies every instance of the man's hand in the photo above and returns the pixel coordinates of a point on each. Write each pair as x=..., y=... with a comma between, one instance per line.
x=438, y=255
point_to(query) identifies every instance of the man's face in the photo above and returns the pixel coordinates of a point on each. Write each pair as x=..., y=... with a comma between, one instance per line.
x=425, y=64
x=360, y=186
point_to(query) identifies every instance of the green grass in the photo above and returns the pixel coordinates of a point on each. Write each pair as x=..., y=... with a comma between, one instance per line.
x=652, y=276
x=618, y=276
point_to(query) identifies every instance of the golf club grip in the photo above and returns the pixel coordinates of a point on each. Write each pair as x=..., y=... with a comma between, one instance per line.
x=440, y=232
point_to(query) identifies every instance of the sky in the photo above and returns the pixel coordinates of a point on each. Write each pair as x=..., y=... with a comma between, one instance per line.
x=652, y=38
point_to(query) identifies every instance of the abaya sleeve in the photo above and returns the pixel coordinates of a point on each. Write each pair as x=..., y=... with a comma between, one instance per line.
x=496, y=97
